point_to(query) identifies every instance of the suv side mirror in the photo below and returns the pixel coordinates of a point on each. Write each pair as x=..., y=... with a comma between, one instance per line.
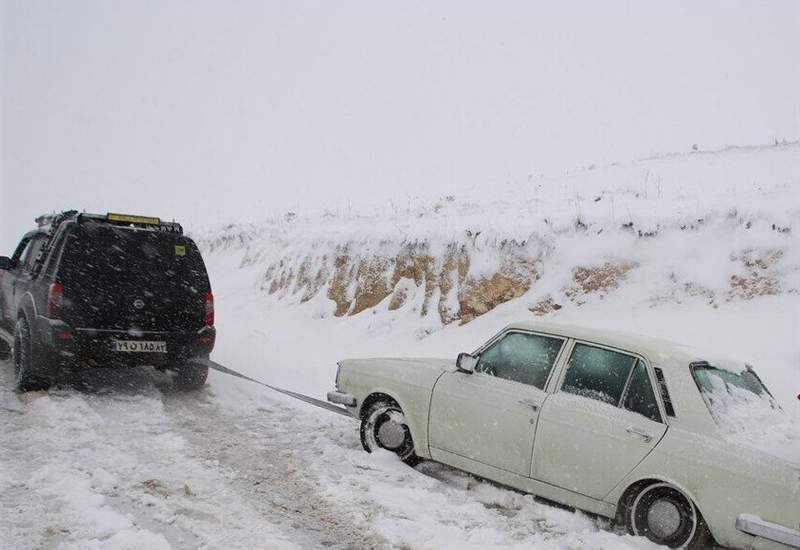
x=5, y=263
x=466, y=362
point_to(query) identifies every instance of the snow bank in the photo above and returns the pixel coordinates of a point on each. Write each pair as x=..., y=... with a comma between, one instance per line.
x=714, y=226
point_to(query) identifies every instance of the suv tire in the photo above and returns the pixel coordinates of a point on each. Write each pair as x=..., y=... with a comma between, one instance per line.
x=24, y=375
x=190, y=375
x=5, y=350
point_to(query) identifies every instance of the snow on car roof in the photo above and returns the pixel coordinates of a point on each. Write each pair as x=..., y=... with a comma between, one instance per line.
x=655, y=349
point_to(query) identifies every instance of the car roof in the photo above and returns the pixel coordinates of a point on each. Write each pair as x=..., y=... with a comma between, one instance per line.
x=657, y=350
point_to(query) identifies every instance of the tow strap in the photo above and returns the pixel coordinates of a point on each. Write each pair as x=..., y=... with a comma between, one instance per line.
x=310, y=400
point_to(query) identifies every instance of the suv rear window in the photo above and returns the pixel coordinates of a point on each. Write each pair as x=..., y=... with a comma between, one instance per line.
x=107, y=252
x=106, y=268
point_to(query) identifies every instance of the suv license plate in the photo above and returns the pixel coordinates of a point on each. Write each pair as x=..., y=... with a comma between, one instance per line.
x=138, y=346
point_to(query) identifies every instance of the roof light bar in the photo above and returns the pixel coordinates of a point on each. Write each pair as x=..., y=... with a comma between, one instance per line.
x=128, y=218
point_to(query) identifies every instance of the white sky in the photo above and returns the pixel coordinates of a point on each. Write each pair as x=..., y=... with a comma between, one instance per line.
x=209, y=112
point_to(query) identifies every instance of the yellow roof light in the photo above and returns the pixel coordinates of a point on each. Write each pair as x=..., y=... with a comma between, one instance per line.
x=127, y=218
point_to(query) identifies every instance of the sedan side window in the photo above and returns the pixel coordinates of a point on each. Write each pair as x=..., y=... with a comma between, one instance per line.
x=598, y=373
x=519, y=357
x=640, y=397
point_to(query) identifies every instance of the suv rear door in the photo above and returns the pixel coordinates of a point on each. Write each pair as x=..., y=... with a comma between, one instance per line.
x=127, y=279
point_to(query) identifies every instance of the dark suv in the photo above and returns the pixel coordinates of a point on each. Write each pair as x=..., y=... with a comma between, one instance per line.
x=89, y=290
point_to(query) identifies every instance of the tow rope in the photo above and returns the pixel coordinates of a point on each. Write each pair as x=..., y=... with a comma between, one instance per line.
x=310, y=400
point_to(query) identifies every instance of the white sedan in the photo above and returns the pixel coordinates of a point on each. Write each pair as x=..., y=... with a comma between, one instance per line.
x=644, y=431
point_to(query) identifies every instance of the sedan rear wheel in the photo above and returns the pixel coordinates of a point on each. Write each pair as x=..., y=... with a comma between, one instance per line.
x=383, y=426
x=664, y=515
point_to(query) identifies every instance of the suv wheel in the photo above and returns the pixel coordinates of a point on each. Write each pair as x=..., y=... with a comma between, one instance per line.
x=5, y=350
x=190, y=375
x=24, y=375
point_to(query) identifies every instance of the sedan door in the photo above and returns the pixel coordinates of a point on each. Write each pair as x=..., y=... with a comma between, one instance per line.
x=600, y=424
x=490, y=416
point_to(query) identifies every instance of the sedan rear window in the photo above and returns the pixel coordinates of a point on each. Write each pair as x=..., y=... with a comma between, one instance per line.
x=737, y=399
x=745, y=411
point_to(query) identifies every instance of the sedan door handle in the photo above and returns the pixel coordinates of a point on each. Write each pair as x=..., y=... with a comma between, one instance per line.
x=641, y=433
x=530, y=403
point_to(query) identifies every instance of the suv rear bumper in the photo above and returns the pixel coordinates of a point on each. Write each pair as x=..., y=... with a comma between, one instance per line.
x=87, y=347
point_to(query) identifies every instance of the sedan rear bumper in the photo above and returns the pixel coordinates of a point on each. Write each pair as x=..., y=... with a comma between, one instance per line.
x=754, y=525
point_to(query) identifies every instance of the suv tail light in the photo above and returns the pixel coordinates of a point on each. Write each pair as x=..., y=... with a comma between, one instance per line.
x=55, y=300
x=209, y=313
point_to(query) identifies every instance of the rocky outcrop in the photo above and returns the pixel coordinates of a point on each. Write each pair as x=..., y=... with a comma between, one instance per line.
x=457, y=278
x=441, y=282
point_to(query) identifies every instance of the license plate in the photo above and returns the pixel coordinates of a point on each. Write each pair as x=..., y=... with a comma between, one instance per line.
x=138, y=346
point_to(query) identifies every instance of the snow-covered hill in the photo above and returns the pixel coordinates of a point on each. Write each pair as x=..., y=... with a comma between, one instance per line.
x=716, y=226
x=696, y=243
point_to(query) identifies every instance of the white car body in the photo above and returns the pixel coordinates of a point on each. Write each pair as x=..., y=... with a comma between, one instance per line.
x=583, y=452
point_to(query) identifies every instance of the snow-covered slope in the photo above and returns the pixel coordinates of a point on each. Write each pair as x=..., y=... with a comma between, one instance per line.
x=716, y=226
x=683, y=240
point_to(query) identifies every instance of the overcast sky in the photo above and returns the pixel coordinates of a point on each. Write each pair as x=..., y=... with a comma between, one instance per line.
x=212, y=111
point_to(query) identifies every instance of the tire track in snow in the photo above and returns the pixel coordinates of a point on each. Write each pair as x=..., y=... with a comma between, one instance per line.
x=129, y=463
x=270, y=465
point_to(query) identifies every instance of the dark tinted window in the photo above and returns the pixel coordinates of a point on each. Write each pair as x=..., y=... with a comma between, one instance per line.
x=640, y=397
x=20, y=249
x=32, y=252
x=55, y=251
x=106, y=270
x=597, y=373
x=117, y=255
x=519, y=357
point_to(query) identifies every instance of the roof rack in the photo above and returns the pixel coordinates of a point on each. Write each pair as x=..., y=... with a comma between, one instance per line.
x=128, y=220
x=48, y=223
x=54, y=218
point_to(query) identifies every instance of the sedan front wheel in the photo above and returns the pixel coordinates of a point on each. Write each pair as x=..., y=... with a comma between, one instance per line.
x=383, y=426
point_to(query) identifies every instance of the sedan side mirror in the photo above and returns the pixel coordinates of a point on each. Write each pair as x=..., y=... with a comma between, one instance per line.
x=5, y=263
x=466, y=362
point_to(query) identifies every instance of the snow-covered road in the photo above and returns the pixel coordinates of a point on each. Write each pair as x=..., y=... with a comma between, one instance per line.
x=127, y=462
x=120, y=460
